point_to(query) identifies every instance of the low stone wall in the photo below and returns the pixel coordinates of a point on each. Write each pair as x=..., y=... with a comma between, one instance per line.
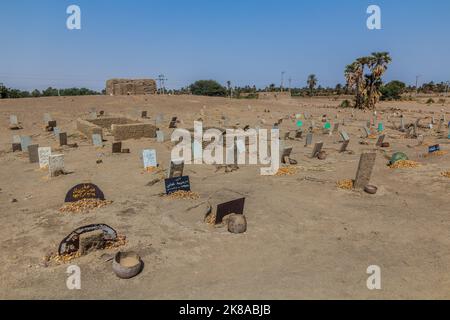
x=133, y=131
x=88, y=129
x=107, y=122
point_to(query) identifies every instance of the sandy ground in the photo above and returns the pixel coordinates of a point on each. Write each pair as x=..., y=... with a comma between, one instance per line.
x=306, y=238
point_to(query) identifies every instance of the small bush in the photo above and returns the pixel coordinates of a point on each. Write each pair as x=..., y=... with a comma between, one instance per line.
x=345, y=104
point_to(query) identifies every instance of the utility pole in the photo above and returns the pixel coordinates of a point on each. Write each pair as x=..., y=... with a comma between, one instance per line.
x=290, y=82
x=162, y=85
x=417, y=84
x=282, y=80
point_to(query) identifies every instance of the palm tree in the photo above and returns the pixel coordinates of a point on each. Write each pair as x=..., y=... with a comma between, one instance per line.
x=378, y=64
x=367, y=86
x=312, y=82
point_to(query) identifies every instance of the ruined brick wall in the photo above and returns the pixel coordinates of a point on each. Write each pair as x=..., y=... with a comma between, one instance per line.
x=107, y=122
x=133, y=131
x=117, y=87
x=88, y=129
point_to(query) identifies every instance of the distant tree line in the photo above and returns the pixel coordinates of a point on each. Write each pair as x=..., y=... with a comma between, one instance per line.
x=8, y=93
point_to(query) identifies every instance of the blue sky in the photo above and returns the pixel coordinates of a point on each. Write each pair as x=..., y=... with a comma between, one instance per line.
x=244, y=41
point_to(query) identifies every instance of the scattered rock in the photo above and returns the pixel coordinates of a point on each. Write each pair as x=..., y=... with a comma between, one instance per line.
x=237, y=223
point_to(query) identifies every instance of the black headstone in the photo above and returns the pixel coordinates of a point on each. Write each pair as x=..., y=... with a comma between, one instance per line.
x=84, y=191
x=177, y=184
x=224, y=209
x=63, y=139
x=117, y=147
x=33, y=153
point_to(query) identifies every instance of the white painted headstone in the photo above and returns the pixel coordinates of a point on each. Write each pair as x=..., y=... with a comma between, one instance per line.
x=44, y=155
x=56, y=131
x=16, y=139
x=159, y=136
x=13, y=120
x=56, y=165
x=149, y=158
x=97, y=140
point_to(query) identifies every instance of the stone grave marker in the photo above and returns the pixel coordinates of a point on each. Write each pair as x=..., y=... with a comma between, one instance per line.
x=16, y=147
x=56, y=132
x=144, y=114
x=173, y=123
x=176, y=168
x=13, y=120
x=335, y=128
x=287, y=135
x=117, y=147
x=159, y=136
x=224, y=209
x=149, y=158
x=439, y=128
x=402, y=124
x=73, y=242
x=44, y=154
x=434, y=148
x=344, y=146
x=97, y=140
x=299, y=134
x=344, y=136
x=380, y=140
x=33, y=153
x=309, y=138
x=317, y=149
x=25, y=141
x=365, y=168
x=177, y=184
x=84, y=191
x=159, y=119
x=286, y=154
x=366, y=132
x=16, y=139
x=51, y=124
x=63, y=139
x=56, y=165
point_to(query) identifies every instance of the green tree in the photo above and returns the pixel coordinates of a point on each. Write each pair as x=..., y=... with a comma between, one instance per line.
x=393, y=90
x=208, y=88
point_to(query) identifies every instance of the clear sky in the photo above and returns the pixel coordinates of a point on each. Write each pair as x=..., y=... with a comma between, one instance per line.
x=244, y=41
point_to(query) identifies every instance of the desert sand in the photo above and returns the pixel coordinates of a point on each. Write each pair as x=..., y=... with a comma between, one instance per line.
x=306, y=238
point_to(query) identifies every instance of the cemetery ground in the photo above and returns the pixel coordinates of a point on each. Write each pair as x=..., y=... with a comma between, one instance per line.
x=306, y=238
